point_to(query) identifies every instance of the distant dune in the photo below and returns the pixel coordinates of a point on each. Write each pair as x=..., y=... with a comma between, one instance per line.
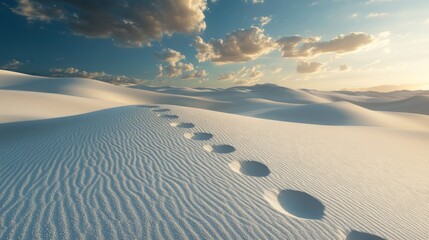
x=264, y=101
x=415, y=104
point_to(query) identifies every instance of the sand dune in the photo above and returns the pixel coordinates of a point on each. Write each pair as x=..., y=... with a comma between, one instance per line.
x=263, y=101
x=110, y=162
x=415, y=104
x=269, y=92
x=94, y=89
x=25, y=105
x=399, y=101
x=345, y=113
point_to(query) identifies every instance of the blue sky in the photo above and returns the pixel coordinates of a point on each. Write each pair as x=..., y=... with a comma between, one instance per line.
x=378, y=42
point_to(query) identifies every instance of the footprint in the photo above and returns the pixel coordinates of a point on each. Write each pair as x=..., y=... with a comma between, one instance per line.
x=200, y=136
x=182, y=125
x=168, y=116
x=148, y=106
x=161, y=110
x=250, y=168
x=219, y=148
x=295, y=204
x=356, y=235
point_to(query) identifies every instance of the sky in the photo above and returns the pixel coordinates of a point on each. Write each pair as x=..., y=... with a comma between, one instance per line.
x=378, y=45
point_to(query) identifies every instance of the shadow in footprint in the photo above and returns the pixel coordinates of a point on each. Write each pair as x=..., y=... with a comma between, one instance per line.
x=199, y=136
x=168, y=116
x=356, y=235
x=161, y=110
x=295, y=204
x=301, y=204
x=223, y=148
x=250, y=168
x=182, y=125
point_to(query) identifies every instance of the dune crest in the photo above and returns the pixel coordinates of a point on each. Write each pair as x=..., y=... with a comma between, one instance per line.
x=267, y=101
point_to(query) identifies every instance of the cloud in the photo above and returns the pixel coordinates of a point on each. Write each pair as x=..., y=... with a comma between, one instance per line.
x=37, y=10
x=299, y=47
x=239, y=46
x=308, y=67
x=376, y=15
x=344, y=68
x=354, y=15
x=277, y=70
x=227, y=76
x=296, y=46
x=130, y=23
x=195, y=74
x=12, y=65
x=245, y=76
x=255, y=1
x=248, y=44
x=264, y=20
x=377, y=1
x=175, y=67
x=176, y=70
x=102, y=76
x=170, y=56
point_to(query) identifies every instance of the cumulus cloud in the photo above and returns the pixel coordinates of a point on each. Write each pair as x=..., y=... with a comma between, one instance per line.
x=245, y=76
x=176, y=70
x=377, y=1
x=170, y=56
x=102, y=76
x=175, y=67
x=248, y=44
x=38, y=10
x=277, y=70
x=376, y=15
x=344, y=68
x=130, y=23
x=308, y=67
x=12, y=65
x=196, y=74
x=239, y=46
x=264, y=20
x=298, y=47
x=354, y=15
x=255, y=1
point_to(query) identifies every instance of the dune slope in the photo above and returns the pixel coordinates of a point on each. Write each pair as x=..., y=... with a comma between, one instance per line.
x=26, y=105
x=128, y=172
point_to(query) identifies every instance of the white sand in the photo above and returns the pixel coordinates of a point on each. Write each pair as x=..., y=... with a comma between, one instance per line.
x=96, y=167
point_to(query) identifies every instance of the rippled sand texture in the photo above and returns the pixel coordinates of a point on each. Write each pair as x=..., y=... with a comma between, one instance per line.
x=126, y=173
